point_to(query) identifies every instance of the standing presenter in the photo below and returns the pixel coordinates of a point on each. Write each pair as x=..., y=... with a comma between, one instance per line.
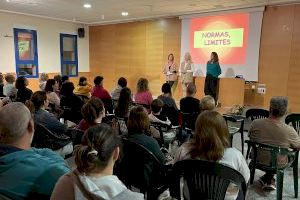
x=187, y=72
x=213, y=71
x=170, y=70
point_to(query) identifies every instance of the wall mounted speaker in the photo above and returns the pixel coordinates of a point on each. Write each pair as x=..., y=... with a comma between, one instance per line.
x=81, y=32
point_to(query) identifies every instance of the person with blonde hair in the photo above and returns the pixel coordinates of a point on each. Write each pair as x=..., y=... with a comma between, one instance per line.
x=207, y=103
x=9, y=90
x=43, y=80
x=187, y=72
x=143, y=95
x=211, y=142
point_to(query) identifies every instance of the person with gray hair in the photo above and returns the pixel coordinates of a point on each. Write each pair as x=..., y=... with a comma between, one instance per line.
x=25, y=172
x=273, y=131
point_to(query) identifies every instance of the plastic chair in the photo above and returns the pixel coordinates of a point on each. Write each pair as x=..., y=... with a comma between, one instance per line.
x=294, y=119
x=44, y=138
x=206, y=179
x=139, y=168
x=235, y=130
x=255, y=113
x=272, y=165
x=161, y=128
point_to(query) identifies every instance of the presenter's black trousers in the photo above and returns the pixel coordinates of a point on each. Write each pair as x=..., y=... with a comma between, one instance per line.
x=211, y=86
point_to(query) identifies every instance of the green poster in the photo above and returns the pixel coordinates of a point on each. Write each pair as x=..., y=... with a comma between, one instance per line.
x=23, y=46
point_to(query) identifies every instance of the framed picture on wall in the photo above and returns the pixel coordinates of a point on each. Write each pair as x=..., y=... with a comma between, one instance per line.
x=26, y=54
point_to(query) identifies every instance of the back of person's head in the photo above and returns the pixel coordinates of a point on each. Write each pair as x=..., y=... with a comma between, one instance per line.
x=38, y=99
x=44, y=77
x=122, y=82
x=166, y=88
x=21, y=82
x=92, y=109
x=82, y=81
x=9, y=78
x=49, y=85
x=142, y=85
x=98, y=80
x=138, y=120
x=15, y=121
x=191, y=89
x=64, y=79
x=207, y=103
x=278, y=106
x=211, y=136
x=156, y=105
x=1, y=79
x=99, y=149
x=123, y=102
x=67, y=88
x=57, y=78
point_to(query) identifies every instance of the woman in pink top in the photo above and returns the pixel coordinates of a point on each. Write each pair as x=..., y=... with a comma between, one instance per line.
x=143, y=95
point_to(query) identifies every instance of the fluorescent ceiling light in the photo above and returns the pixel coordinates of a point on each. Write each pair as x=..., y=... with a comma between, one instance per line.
x=87, y=5
x=124, y=13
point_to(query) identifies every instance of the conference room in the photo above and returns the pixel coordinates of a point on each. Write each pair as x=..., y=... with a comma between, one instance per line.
x=149, y=99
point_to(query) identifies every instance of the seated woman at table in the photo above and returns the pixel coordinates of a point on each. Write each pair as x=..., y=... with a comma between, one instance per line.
x=211, y=142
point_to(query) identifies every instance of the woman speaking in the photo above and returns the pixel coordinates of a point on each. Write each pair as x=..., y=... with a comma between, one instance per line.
x=186, y=72
x=170, y=70
x=213, y=70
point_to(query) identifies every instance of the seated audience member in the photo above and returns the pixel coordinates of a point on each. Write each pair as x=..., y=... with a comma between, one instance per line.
x=156, y=117
x=57, y=78
x=143, y=95
x=92, y=112
x=26, y=173
x=138, y=126
x=37, y=105
x=98, y=90
x=273, y=131
x=207, y=103
x=122, y=83
x=50, y=88
x=23, y=93
x=190, y=104
x=64, y=79
x=43, y=80
x=71, y=104
x=124, y=103
x=170, y=108
x=83, y=88
x=93, y=178
x=211, y=142
x=1, y=85
x=9, y=90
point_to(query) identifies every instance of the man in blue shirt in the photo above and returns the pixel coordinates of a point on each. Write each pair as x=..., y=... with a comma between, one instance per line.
x=25, y=172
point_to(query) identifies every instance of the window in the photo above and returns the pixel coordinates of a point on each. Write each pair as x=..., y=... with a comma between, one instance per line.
x=68, y=54
x=26, y=53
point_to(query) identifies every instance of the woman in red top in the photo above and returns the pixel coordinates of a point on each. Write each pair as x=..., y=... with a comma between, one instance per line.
x=98, y=90
x=143, y=95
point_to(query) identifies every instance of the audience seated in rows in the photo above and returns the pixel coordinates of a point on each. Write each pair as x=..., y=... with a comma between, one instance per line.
x=273, y=131
x=211, y=142
x=98, y=90
x=9, y=89
x=122, y=83
x=43, y=80
x=92, y=112
x=138, y=126
x=51, y=87
x=207, y=103
x=93, y=177
x=190, y=104
x=23, y=93
x=124, y=103
x=1, y=85
x=37, y=105
x=71, y=103
x=83, y=88
x=143, y=95
x=170, y=108
x=26, y=173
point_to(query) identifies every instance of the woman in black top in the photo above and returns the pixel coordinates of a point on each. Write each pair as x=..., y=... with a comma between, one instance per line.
x=23, y=93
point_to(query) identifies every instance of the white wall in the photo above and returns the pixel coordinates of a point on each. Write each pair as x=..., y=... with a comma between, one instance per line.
x=47, y=42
